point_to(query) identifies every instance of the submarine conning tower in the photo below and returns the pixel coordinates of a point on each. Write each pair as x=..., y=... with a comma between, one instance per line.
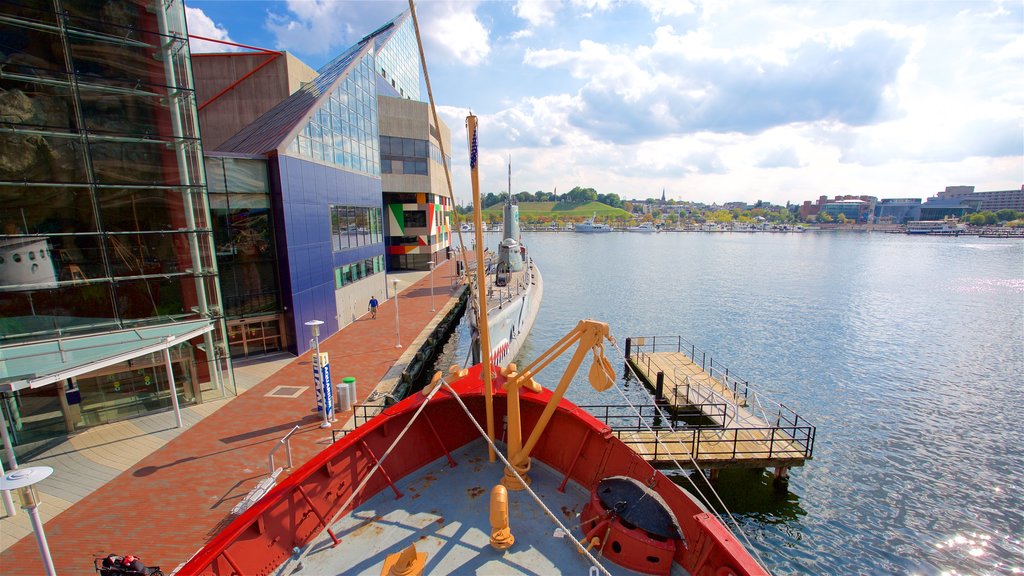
x=510, y=253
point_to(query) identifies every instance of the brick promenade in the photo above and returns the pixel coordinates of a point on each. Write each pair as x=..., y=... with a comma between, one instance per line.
x=166, y=506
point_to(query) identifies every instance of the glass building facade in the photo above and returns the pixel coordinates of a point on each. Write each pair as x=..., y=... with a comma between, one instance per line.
x=104, y=220
x=398, y=60
x=343, y=131
x=243, y=234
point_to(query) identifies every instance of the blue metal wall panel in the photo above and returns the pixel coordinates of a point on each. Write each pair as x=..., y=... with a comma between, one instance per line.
x=307, y=189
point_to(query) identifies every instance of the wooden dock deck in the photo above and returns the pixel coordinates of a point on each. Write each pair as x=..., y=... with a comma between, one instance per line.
x=740, y=428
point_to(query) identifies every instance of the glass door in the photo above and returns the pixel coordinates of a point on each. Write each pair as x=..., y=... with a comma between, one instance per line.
x=33, y=415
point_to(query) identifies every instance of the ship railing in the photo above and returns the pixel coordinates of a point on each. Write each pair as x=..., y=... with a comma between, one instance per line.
x=760, y=444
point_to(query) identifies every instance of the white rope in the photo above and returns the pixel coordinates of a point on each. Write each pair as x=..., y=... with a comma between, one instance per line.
x=696, y=438
x=566, y=531
x=367, y=477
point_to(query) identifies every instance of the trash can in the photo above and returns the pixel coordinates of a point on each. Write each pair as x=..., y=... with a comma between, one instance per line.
x=341, y=403
x=350, y=383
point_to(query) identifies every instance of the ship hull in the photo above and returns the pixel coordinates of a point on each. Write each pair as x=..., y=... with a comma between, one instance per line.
x=577, y=451
x=510, y=322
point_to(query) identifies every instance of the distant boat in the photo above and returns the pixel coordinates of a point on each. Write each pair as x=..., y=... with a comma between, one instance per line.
x=645, y=227
x=935, y=227
x=589, y=226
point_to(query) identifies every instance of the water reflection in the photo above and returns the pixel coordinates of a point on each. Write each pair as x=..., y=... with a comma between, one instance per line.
x=746, y=492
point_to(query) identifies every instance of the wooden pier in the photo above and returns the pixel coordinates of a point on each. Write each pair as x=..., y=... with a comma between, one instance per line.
x=737, y=428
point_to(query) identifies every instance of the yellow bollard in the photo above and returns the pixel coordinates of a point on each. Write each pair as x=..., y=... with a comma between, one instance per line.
x=408, y=562
x=501, y=534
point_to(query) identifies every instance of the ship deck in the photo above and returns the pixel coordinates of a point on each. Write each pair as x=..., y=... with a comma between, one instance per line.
x=444, y=511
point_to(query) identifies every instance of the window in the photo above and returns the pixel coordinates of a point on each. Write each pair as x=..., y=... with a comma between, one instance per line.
x=355, y=226
x=349, y=273
x=416, y=219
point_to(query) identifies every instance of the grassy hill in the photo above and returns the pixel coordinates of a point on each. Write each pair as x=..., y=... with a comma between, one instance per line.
x=560, y=210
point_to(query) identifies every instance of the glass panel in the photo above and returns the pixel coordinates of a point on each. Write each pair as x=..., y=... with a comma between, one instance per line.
x=45, y=211
x=134, y=163
x=125, y=113
x=120, y=64
x=117, y=19
x=69, y=307
x=36, y=50
x=216, y=180
x=246, y=175
x=128, y=210
x=33, y=157
x=153, y=297
x=33, y=415
x=146, y=254
x=236, y=340
x=35, y=105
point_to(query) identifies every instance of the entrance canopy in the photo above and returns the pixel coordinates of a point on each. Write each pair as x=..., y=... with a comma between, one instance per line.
x=41, y=363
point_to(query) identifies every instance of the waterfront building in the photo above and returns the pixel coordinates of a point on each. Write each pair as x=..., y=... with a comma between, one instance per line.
x=419, y=212
x=897, y=210
x=305, y=226
x=989, y=201
x=942, y=208
x=109, y=291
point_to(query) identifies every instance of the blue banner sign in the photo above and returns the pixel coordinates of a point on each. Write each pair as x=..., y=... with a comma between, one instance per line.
x=323, y=385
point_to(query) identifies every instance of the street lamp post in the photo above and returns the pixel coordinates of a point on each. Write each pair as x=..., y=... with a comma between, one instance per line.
x=432, y=309
x=314, y=325
x=398, y=330
x=23, y=480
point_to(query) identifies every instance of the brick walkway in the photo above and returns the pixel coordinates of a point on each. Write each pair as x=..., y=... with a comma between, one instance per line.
x=167, y=505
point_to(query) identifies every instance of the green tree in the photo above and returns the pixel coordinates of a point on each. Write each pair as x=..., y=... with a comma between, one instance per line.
x=824, y=217
x=721, y=216
x=841, y=218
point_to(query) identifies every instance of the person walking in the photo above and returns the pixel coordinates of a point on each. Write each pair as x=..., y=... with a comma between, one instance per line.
x=373, y=307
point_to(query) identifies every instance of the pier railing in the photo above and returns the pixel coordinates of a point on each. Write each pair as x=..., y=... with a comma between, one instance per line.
x=641, y=346
x=666, y=438
x=722, y=445
x=745, y=408
x=639, y=416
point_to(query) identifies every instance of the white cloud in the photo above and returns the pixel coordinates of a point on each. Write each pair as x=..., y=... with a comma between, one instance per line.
x=325, y=27
x=663, y=8
x=199, y=24
x=537, y=12
x=456, y=29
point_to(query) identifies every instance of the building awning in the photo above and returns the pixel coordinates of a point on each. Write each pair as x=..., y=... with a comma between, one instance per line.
x=41, y=363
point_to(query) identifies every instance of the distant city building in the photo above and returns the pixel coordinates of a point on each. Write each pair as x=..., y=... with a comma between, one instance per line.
x=840, y=204
x=851, y=210
x=990, y=201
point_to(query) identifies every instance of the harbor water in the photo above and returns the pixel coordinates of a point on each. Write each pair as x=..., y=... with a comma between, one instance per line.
x=905, y=352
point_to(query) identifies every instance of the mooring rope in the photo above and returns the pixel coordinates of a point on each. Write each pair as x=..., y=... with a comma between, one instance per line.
x=581, y=548
x=696, y=438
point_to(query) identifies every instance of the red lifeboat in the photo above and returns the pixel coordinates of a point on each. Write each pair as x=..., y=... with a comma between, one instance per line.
x=633, y=526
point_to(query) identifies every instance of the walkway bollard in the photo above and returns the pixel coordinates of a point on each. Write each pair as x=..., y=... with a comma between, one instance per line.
x=350, y=381
x=341, y=398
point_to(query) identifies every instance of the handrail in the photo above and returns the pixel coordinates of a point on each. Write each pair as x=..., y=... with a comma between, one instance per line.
x=645, y=345
x=287, y=448
x=716, y=443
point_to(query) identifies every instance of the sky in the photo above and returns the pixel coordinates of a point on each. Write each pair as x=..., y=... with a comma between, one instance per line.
x=710, y=102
